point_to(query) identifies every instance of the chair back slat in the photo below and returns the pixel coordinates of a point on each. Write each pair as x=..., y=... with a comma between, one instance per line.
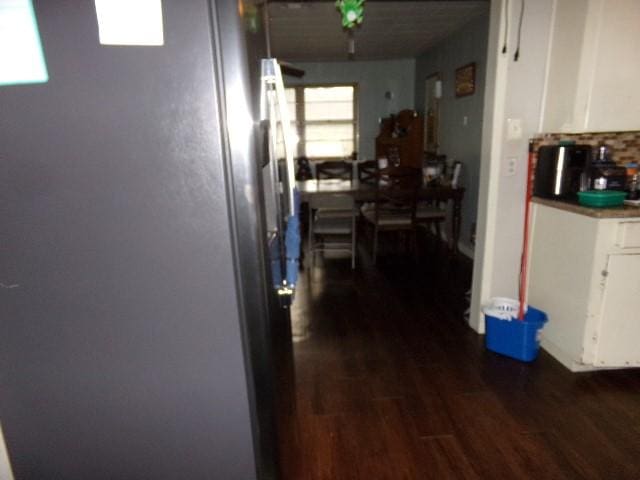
x=368, y=171
x=334, y=169
x=335, y=201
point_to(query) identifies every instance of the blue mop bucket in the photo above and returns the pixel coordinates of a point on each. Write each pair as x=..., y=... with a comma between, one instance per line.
x=506, y=335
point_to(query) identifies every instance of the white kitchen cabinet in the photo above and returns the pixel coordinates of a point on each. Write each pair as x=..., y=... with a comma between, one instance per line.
x=593, y=67
x=584, y=272
x=618, y=341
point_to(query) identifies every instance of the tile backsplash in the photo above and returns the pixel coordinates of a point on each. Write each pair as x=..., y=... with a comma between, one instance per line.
x=624, y=146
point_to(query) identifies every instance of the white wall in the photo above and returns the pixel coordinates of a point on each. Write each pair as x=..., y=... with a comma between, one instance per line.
x=514, y=90
x=374, y=78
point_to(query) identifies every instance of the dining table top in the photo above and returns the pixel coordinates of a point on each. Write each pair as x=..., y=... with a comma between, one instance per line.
x=366, y=190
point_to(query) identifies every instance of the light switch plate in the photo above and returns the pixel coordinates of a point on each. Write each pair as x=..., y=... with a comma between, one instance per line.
x=514, y=128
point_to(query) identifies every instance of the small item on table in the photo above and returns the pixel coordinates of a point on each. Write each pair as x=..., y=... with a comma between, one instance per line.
x=634, y=193
x=601, y=198
x=433, y=171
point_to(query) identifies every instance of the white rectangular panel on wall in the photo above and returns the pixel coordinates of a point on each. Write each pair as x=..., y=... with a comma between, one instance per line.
x=130, y=22
x=614, y=96
x=593, y=67
x=21, y=57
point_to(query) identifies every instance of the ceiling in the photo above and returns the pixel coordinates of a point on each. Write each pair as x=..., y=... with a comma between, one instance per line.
x=311, y=30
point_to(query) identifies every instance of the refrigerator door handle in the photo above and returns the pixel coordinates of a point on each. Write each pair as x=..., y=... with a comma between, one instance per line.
x=272, y=85
x=274, y=108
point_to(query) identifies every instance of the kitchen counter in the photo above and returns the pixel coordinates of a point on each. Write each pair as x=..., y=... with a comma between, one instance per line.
x=583, y=272
x=624, y=211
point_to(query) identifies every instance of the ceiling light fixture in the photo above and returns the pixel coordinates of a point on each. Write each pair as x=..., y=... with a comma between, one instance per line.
x=352, y=12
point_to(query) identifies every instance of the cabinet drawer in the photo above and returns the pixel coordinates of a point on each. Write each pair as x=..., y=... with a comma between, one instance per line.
x=628, y=235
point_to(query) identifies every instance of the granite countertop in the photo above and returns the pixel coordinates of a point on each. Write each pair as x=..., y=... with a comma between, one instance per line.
x=624, y=211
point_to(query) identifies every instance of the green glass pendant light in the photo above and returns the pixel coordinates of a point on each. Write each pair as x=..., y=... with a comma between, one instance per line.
x=352, y=12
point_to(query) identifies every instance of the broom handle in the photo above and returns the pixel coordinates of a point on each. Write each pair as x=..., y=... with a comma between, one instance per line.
x=525, y=239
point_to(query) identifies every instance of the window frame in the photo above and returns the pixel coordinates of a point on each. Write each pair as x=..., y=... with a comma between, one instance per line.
x=301, y=123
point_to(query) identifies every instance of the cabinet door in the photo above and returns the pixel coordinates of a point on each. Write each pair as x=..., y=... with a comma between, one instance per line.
x=614, y=95
x=618, y=341
x=593, y=69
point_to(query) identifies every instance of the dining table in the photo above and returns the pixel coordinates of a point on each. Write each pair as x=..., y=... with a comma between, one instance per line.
x=364, y=192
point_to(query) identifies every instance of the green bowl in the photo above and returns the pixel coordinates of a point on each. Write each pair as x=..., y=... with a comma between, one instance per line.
x=601, y=198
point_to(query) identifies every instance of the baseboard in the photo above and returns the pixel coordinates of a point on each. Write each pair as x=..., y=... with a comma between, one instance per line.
x=567, y=360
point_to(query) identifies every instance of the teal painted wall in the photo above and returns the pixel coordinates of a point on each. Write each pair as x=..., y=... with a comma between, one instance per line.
x=457, y=140
x=374, y=78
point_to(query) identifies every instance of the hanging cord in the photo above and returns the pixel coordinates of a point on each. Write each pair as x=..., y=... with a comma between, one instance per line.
x=506, y=25
x=517, y=54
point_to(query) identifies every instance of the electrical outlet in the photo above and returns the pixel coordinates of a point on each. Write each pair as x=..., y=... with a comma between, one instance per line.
x=510, y=171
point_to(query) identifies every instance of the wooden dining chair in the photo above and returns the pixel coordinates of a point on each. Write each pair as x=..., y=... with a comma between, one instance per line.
x=395, y=203
x=332, y=218
x=368, y=171
x=333, y=231
x=334, y=170
x=431, y=214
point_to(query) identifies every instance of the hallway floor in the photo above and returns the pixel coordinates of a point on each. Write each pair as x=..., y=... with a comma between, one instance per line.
x=384, y=380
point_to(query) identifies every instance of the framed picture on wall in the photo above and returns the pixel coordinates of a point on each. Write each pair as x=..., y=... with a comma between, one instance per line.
x=466, y=80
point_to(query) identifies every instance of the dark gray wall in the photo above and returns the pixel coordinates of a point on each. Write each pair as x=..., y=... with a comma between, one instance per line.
x=457, y=140
x=121, y=348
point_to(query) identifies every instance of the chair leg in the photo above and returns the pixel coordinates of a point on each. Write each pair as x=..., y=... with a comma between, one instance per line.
x=375, y=244
x=354, y=236
x=312, y=253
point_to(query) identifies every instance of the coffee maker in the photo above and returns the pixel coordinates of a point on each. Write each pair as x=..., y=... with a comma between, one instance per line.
x=604, y=173
x=562, y=171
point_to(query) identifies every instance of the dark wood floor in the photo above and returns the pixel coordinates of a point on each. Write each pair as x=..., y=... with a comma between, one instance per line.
x=384, y=380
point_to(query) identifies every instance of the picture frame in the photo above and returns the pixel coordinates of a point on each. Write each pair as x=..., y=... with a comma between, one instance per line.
x=465, y=83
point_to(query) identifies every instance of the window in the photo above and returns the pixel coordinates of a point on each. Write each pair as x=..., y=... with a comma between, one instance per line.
x=325, y=119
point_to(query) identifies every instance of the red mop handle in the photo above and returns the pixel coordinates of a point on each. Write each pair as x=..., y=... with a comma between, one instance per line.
x=525, y=239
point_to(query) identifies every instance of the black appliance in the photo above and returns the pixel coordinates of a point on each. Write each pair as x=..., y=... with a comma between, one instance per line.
x=607, y=176
x=603, y=172
x=561, y=171
x=142, y=233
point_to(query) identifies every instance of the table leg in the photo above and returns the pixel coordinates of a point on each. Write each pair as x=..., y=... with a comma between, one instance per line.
x=455, y=224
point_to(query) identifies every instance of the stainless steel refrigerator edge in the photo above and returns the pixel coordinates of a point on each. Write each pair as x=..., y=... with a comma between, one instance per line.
x=136, y=343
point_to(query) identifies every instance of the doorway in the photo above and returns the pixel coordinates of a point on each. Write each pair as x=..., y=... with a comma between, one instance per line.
x=432, y=94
